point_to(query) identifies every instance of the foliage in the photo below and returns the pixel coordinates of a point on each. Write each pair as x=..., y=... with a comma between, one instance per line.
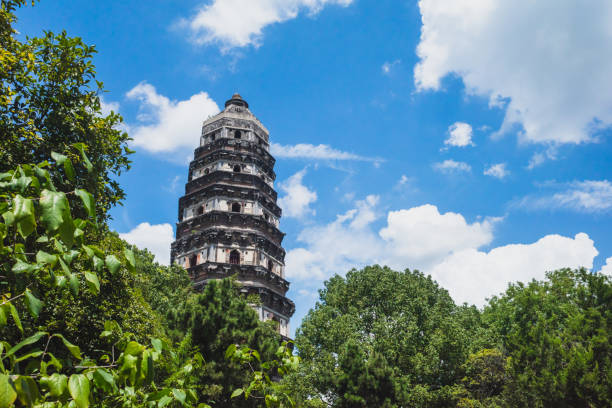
x=273, y=393
x=49, y=101
x=212, y=321
x=43, y=248
x=384, y=337
x=557, y=335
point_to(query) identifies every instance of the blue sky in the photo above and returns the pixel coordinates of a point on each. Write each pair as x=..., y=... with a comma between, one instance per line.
x=467, y=138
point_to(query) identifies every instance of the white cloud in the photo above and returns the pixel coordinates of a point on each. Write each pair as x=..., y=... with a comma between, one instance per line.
x=497, y=170
x=539, y=158
x=297, y=199
x=451, y=167
x=582, y=196
x=239, y=23
x=166, y=125
x=335, y=247
x=421, y=235
x=459, y=134
x=444, y=245
x=156, y=238
x=471, y=275
x=546, y=62
x=388, y=66
x=607, y=268
x=317, y=152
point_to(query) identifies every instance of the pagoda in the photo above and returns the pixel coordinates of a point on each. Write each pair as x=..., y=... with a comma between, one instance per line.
x=228, y=219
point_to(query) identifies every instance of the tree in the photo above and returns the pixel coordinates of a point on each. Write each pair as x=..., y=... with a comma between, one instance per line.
x=49, y=101
x=212, y=321
x=400, y=330
x=557, y=335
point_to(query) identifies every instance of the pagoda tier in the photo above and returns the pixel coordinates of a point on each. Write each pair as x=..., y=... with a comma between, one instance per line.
x=228, y=218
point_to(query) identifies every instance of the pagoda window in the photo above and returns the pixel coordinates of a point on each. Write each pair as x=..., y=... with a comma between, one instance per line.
x=270, y=265
x=234, y=257
x=236, y=207
x=212, y=137
x=237, y=169
x=206, y=171
x=237, y=134
x=193, y=260
x=200, y=210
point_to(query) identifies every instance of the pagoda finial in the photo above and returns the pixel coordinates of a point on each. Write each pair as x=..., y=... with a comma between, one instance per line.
x=236, y=100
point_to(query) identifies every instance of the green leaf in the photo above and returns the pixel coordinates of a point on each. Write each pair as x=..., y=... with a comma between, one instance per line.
x=74, y=350
x=104, y=380
x=129, y=256
x=79, y=388
x=73, y=282
x=157, y=345
x=230, y=351
x=3, y=317
x=112, y=263
x=27, y=390
x=34, y=304
x=92, y=281
x=44, y=258
x=24, y=267
x=23, y=212
x=8, y=395
x=59, y=158
x=9, y=218
x=98, y=263
x=16, y=317
x=30, y=340
x=164, y=401
x=33, y=354
x=237, y=392
x=134, y=348
x=88, y=201
x=69, y=170
x=179, y=395
x=56, y=215
x=55, y=383
x=81, y=148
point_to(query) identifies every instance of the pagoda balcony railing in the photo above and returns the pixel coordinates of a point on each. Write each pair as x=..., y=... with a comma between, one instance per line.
x=219, y=270
x=237, y=145
x=231, y=156
x=244, y=193
x=244, y=179
x=231, y=219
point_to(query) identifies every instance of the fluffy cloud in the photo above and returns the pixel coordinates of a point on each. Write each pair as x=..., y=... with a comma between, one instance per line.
x=297, y=199
x=421, y=235
x=238, y=23
x=445, y=245
x=545, y=62
x=497, y=170
x=583, y=196
x=451, y=167
x=459, y=134
x=166, y=125
x=156, y=238
x=317, y=152
x=607, y=268
x=471, y=275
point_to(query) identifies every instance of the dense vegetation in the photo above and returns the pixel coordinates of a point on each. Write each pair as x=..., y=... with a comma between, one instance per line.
x=384, y=338
x=89, y=320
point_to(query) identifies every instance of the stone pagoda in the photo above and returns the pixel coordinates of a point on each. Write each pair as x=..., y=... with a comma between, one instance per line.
x=228, y=217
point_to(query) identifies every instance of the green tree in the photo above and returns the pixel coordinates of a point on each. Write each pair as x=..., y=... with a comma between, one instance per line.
x=408, y=339
x=212, y=321
x=49, y=100
x=557, y=335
